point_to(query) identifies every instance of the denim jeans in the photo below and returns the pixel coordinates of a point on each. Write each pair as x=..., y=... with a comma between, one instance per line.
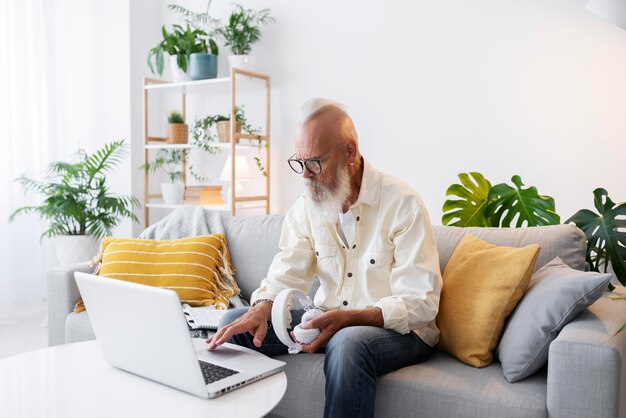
x=355, y=356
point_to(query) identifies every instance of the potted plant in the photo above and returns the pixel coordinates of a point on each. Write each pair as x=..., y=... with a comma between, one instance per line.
x=169, y=161
x=241, y=31
x=202, y=65
x=241, y=124
x=179, y=44
x=177, y=129
x=77, y=203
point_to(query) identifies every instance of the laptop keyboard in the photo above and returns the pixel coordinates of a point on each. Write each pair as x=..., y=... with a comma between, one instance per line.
x=213, y=372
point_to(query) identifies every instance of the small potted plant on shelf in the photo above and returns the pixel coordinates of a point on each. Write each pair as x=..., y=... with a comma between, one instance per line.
x=241, y=31
x=77, y=203
x=241, y=124
x=179, y=44
x=177, y=129
x=170, y=162
x=202, y=65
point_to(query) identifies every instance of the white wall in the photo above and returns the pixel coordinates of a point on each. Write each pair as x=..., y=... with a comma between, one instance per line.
x=502, y=87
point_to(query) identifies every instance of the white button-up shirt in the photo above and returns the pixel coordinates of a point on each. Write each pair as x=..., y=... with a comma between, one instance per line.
x=392, y=262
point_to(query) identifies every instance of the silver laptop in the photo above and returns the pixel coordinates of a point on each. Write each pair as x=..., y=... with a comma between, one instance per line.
x=142, y=330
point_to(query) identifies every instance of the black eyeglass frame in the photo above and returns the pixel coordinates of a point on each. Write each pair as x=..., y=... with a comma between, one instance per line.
x=308, y=162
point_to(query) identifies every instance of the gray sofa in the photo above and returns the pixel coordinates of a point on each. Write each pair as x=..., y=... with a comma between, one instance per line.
x=585, y=375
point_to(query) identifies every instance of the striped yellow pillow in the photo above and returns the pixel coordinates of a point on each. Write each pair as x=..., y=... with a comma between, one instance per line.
x=197, y=268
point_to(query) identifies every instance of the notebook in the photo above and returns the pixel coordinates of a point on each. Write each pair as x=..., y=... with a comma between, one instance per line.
x=156, y=343
x=203, y=317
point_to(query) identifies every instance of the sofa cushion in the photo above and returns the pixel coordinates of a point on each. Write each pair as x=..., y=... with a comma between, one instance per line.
x=482, y=284
x=197, y=268
x=564, y=241
x=78, y=328
x=253, y=243
x=535, y=323
x=441, y=387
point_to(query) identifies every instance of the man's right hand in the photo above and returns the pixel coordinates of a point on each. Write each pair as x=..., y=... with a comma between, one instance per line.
x=254, y=321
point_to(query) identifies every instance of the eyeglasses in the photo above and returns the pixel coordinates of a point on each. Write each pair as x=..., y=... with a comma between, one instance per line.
x=313, y=165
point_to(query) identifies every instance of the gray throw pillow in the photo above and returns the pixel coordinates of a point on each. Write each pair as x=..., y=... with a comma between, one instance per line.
x=556, y=295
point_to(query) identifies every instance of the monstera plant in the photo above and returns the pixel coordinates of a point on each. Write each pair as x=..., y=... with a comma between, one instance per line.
x=606, y=244
x=475, y=202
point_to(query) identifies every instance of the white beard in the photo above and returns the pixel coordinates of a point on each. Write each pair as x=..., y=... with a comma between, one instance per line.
x=328, y=203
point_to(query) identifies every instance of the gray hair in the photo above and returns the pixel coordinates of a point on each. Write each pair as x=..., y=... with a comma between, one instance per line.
x=316, y=105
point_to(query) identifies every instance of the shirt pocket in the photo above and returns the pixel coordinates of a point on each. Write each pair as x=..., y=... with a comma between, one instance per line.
x=327, y=263
x=380, y=259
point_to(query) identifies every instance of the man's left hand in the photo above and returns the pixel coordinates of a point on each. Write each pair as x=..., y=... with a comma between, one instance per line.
x=329, y=323
x=332, y=321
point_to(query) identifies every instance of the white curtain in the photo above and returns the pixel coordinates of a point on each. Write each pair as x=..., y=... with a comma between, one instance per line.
x=29, y=83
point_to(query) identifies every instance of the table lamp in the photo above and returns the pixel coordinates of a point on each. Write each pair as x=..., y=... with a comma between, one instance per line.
x=613, y=11
x=242, y=174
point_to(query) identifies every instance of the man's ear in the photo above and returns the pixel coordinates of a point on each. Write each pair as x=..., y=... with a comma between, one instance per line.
x=351, y=150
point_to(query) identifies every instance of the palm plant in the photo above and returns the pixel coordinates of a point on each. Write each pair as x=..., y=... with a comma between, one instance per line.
x=201, y=21
x=77, y=200
x=243, y=28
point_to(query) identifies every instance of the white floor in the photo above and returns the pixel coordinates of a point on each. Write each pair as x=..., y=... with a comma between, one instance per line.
x=23, y=330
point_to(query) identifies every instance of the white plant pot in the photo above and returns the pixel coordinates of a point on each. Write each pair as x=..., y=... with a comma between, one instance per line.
x=243, y=62
x=178, y=75
x=172, y=193
x=72, y=249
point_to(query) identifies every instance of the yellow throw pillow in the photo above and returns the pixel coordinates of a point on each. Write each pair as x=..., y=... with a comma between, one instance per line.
x=482, y=284
x=197, y=268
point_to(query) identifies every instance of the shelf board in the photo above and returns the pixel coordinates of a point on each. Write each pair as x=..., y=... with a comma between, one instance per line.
x=223, y=145
x=199, y=86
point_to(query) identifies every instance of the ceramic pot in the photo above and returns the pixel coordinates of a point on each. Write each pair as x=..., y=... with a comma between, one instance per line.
x=72, y=249
x=202, y=66
x=178, y=75
x=243, y=62
x=172, y=193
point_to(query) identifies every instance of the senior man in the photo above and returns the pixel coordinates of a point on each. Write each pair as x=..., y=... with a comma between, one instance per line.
x=368, y=238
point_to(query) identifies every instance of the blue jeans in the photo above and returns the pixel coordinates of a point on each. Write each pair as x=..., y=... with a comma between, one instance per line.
x=355, y=356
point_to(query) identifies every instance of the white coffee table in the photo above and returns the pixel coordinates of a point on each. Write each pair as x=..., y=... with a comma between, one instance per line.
x=73, y=380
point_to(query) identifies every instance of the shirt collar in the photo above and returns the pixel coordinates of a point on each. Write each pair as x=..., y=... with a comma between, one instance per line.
x=370, y=186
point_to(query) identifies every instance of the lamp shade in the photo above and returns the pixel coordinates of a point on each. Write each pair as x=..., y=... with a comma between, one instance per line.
x=241, y=166
x=613, y=11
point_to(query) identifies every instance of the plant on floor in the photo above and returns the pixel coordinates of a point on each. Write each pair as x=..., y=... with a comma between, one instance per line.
x=243, y=28
x=475, y=202
x=180, y=43
x=77, y=200
x=606, y=239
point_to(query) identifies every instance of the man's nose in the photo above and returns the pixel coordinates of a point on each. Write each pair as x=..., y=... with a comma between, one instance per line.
x=307, y=174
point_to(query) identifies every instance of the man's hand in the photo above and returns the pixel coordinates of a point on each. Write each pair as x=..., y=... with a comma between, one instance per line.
x=332, y=321
x=254, y=321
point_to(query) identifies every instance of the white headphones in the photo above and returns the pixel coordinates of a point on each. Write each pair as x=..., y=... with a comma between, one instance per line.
x=281, y=318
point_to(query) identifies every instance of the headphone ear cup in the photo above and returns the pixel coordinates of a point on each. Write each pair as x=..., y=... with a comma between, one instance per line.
x=310, y=314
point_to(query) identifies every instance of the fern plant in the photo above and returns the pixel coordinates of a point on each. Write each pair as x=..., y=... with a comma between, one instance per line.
x=201, y=21
x=170, y=161
x=77, y=200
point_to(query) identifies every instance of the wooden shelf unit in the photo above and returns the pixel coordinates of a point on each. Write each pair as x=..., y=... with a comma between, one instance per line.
x=203, y=87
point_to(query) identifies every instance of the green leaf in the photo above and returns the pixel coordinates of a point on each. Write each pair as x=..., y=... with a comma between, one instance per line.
x=606, y=243
x=471, y=198
x=519, y=204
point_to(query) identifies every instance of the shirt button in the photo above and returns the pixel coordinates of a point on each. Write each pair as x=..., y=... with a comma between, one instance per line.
x=349, y=274
x=358, y=218
x=354, y=246
x=317, y=253
x=345, y=303
x=372, y=261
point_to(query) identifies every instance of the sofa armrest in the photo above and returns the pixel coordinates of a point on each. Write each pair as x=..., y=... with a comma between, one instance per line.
x=587, y=364
x=62, y=295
